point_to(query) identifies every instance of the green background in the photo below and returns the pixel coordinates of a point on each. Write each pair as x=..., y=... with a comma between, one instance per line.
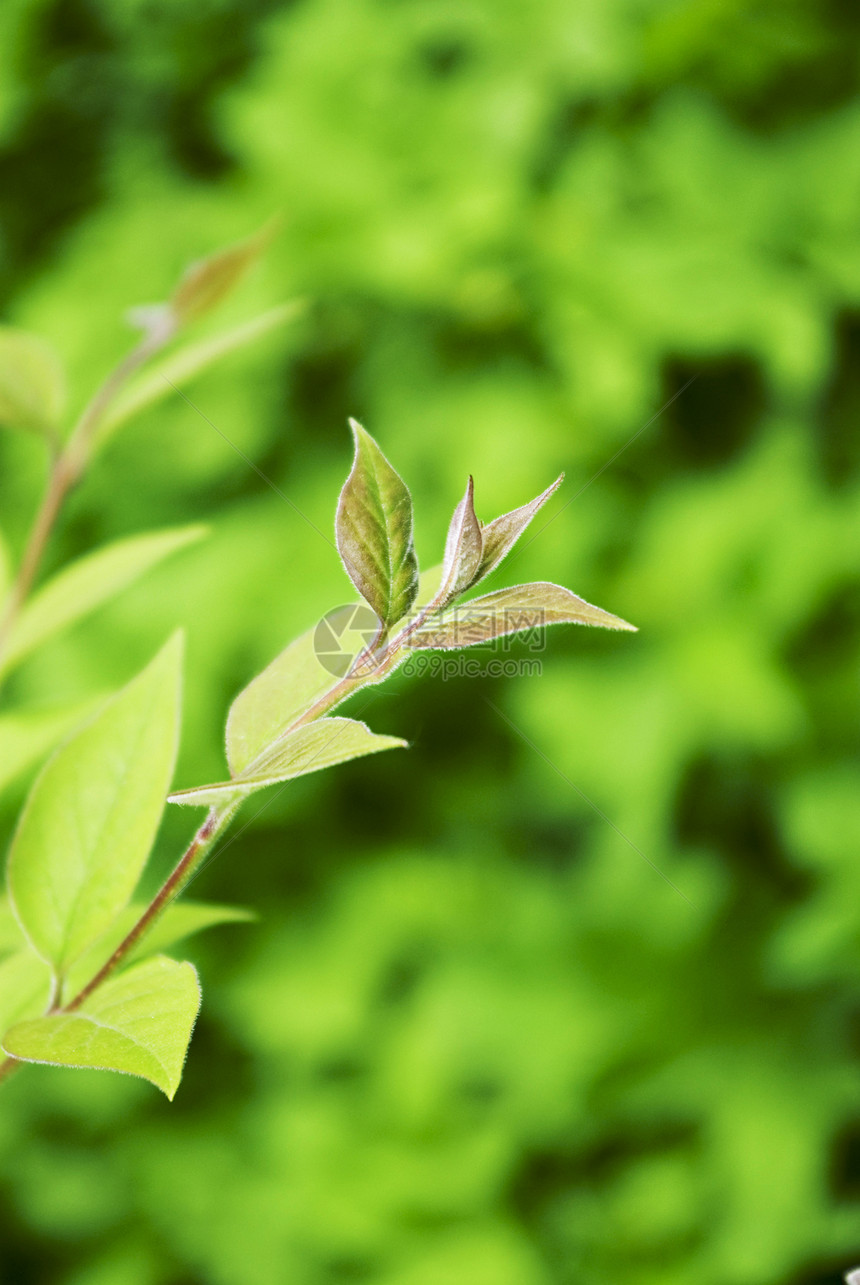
x=481, y=1034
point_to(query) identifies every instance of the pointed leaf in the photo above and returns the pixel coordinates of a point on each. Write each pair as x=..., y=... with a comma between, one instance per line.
x=32, y=384
x=92, y=814
x=181, y=919
x=289, y=687
x=463, y=549
x=139, y=1022
x=374, y=532
x=502, y=533
x=206, y=282
x=186, y=363
x=25, y=987
x=308, y=749
x=27, y=735
x=78, y=589
x=522, y=608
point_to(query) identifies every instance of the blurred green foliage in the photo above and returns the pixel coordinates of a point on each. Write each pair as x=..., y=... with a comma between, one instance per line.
x=480, y=1036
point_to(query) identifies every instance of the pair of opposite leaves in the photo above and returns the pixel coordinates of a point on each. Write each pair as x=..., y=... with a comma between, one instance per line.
x=272, y=734
x=66, y=901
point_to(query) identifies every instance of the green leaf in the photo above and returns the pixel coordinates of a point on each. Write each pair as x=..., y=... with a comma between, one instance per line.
x=139, y=1022
x=205, y=283
x=27, y=735
x=25, y=987
x=502, y=533
x=374, y=532
x=32, y=383
x=308, y=749
x=522, y=608
x=287, y=688
x=180, y=919
x=78, y=589
x=182, y=366
x=92, y=814
x=464, y=548
x=11, y=937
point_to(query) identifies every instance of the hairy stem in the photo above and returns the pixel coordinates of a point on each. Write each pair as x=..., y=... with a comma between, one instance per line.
x=215, y=823
x=67, y=468
x=9, y=1066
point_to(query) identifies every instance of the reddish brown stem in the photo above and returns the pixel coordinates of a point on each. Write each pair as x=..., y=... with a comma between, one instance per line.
x=66, y=470
x=169, y=890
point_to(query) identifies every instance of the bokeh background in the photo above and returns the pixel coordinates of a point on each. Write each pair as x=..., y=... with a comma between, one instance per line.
x=476, y=1037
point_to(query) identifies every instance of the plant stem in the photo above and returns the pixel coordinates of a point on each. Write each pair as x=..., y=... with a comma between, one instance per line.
x=9, y=1066
x=67, y=468
x=216, y=821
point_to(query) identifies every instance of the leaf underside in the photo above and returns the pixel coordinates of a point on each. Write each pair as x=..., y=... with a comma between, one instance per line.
x=520, y=609
x=286, y=689
x=317, y=745
x=502, y=533
x=463, y=548
x=139, y=1022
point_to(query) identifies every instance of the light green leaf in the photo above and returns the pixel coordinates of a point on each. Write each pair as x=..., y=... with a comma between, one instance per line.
x=25, y=987
x=502, y=533
x=308, y=749
x=181, y=919
x=32, y=383
x=91, y=817
x=286, y=689
x=463, y=549
x=182, y=366
x=522, y=608
x=11, y=937
x=26, y=735
x=205, y=283
x=78, y=589
x=289, y=687
x=374, y=532
x=139, y=1023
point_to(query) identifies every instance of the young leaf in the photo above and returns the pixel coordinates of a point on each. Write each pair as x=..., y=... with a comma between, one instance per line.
x=139, y=1022
x=25, y=987
x=32, y=384
x=26, y=735
x=205, y=283
x=463, y=548
x=180, y=367
x=522, y=608
x=502, y=533
x=308, y=749
x=286, y=689
x=84, y=585
x=91, y=817
x=180, y=919
x=374, y=532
